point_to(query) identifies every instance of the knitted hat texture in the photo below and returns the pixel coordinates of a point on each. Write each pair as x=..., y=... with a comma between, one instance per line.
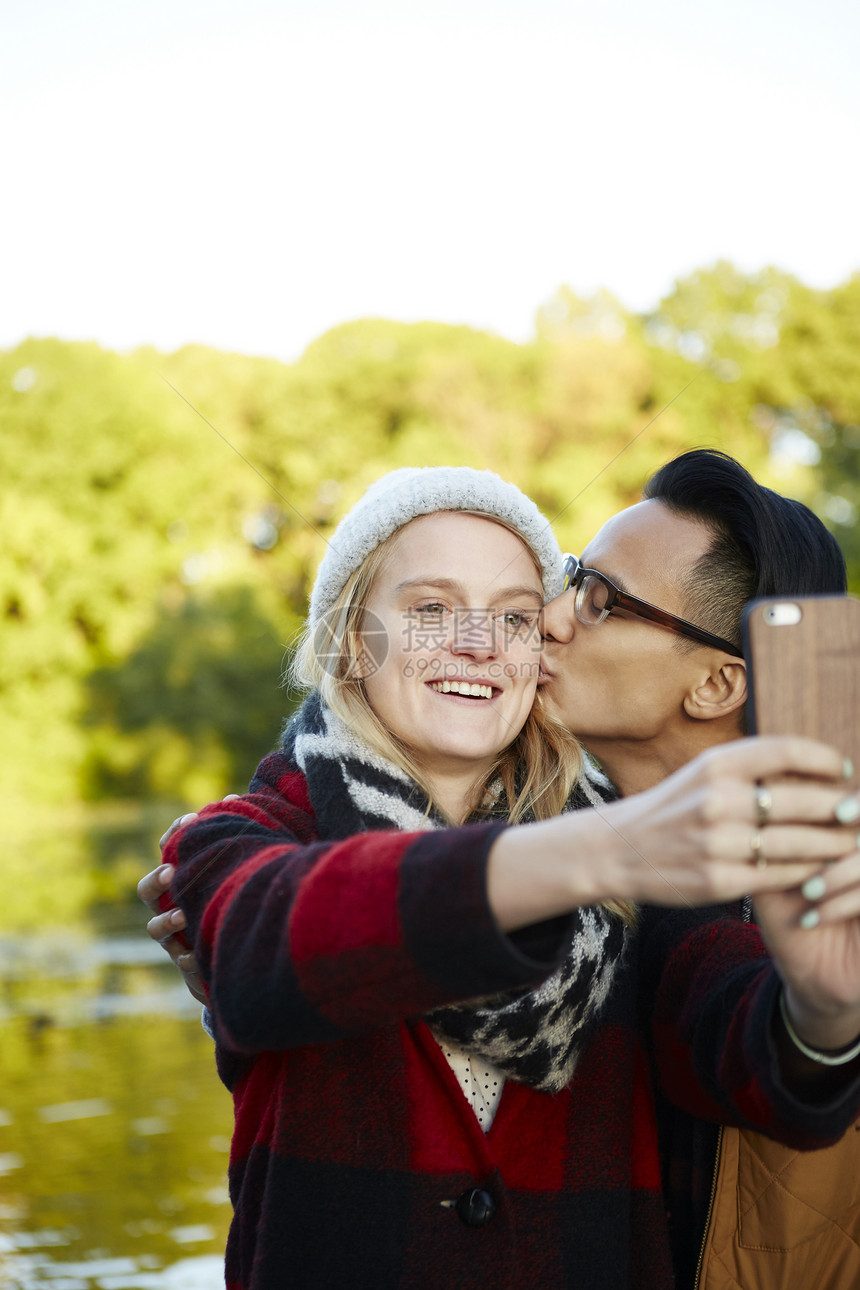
x=403, y=495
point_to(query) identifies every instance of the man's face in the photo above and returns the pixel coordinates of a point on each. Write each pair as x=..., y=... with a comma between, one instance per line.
x=625, y=679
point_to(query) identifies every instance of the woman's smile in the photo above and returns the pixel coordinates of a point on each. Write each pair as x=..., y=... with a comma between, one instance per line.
x=464, y=689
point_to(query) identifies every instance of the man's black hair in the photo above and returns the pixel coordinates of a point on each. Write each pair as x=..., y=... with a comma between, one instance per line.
x=764, y=544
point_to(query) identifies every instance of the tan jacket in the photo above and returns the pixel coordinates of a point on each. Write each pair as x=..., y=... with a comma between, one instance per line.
x=783, y=1219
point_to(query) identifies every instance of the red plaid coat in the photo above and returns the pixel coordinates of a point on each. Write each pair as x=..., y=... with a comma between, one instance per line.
x=353, y=1141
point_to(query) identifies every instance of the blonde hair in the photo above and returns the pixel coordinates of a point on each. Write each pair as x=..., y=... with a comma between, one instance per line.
x=537, y=771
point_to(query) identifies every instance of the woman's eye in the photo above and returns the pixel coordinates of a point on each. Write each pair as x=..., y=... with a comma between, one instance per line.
x=431, y=615
x=515, y=621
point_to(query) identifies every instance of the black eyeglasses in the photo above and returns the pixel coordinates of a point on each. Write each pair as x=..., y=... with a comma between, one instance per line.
x=597, y=596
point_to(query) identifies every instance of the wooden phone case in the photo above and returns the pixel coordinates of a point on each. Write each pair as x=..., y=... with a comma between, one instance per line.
x=804, y=676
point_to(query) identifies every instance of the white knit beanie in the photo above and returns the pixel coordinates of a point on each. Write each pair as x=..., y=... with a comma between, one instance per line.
x=402, y=495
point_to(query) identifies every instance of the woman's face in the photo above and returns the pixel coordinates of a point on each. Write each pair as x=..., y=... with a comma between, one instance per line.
x=459, y=598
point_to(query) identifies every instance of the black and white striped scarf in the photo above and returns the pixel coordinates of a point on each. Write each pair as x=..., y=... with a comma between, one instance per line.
x=534, y=1036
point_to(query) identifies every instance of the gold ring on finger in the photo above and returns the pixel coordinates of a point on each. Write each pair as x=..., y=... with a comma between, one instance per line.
x=763, y=805
x=756, y=852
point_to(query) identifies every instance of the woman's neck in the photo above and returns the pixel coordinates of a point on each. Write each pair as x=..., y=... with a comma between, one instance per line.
x=455, y=795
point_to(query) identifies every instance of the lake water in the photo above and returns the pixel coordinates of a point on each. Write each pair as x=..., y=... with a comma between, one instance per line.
x=114, y=1128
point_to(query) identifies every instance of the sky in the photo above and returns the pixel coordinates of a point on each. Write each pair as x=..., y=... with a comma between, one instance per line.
x=248, y=175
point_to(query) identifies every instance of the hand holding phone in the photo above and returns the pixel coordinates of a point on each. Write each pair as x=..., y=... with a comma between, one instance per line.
x=803, y=660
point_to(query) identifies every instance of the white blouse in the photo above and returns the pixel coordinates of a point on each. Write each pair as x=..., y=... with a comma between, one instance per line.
x=481, y=1083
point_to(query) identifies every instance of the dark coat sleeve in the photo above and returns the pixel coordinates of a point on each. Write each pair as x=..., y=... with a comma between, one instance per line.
x=709, y=995
x=301, y=940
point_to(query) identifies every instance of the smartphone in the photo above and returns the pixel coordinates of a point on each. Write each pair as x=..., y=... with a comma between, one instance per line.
x=803, y=670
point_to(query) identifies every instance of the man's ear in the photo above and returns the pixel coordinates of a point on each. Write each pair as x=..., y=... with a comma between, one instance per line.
x=720, y=693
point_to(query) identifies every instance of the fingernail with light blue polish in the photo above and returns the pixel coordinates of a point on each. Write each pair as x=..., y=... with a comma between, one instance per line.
x=848, y=810
x=814, y=888
x=848, y=768
x=810, y=919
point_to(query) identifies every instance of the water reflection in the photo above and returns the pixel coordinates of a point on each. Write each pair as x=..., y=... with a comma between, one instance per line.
x=114, y=1129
